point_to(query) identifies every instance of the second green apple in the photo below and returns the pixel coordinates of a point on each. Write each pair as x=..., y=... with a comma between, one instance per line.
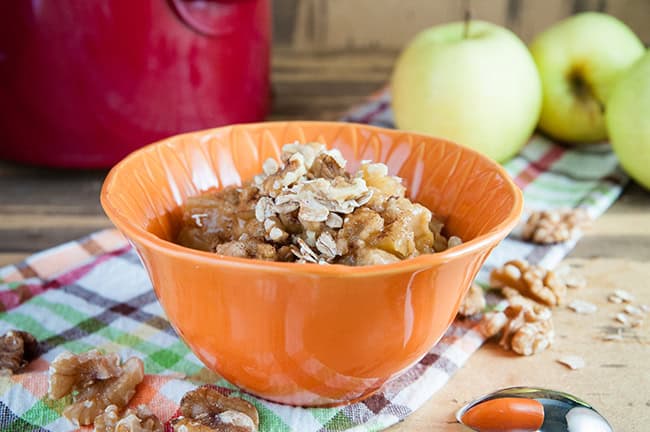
x=628, y=121
x=579, y=61
x=474, y=83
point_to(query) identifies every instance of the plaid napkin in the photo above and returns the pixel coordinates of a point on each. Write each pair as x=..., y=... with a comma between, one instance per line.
x=94, y=293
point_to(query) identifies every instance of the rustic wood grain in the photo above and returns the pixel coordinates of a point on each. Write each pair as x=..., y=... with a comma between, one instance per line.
x=341, y=25
x=615, y=379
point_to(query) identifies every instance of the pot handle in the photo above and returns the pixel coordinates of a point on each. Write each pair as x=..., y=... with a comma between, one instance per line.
x=211, y=18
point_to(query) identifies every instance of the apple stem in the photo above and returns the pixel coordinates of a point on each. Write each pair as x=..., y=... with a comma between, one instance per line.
x=467, y=18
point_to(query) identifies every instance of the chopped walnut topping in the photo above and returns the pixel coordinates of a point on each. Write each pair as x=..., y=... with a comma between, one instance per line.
x=473, y=302
x=205, y=409
x=524, y=330
x=328, y=165
x=307, y=208
x=17, y=349
x=531, y=281
x=96, y=382
x=248, y=248
x=308, y=151
x=312, y=211
x=139, y=420
x=554, y=226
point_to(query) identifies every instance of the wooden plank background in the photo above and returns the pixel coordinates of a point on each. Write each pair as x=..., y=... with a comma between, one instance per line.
x=327, y=56
x=335, y=25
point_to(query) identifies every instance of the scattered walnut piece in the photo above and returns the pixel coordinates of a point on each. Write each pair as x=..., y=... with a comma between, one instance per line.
x=492, y=323
x=582, y=307
x=531, y=281
x=554, y=226
x=205, y=409
x=139, y=420
x=573, y=362
x=17, y=349
x=473, y=302
x=96, y=381
x=247, y=248
x=529, y=330
x=524, y=330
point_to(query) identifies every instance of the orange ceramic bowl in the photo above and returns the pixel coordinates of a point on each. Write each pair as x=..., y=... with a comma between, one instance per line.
x=309, y=334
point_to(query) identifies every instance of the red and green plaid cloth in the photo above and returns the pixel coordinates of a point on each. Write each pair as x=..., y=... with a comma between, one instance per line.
x=94, y=293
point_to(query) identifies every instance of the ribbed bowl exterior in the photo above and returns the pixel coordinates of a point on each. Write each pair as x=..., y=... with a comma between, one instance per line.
x=308, y=334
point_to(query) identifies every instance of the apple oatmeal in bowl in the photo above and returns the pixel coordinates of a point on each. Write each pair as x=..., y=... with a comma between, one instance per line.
x=309, y=209
x=221, y=219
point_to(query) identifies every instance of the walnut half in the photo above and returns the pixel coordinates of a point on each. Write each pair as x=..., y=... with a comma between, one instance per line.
x=554, y=226
x=17, y=349
x=96, y=381
x=524, y=329
x=205, y=410
x=473, y=302
x=531, y=281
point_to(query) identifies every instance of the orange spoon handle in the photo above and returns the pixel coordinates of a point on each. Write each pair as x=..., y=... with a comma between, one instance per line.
x=505, y=415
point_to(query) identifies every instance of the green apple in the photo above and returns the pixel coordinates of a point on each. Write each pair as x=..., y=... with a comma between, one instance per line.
x=628, y=121
x=579, y=60
x=476, y=85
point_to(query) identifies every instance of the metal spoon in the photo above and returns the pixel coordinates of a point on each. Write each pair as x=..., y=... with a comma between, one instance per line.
x=529, y=409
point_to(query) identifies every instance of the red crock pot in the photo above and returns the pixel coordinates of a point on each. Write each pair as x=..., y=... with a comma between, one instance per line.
x=85, y=82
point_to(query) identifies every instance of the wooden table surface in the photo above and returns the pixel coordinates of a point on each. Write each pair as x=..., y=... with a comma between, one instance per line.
x=40, y=208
